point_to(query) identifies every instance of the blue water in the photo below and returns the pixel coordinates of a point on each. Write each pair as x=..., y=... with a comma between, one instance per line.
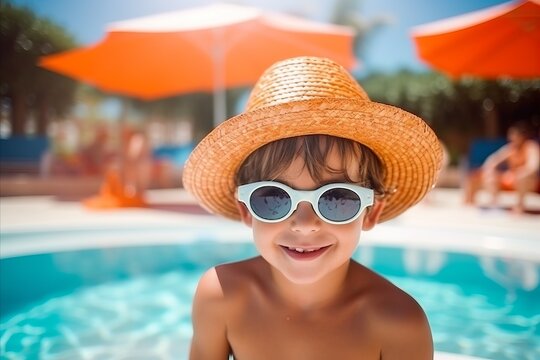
x=135, y=303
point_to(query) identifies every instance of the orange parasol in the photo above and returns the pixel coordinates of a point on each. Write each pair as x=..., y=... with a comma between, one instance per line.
x=203, y=49
x=500, y=41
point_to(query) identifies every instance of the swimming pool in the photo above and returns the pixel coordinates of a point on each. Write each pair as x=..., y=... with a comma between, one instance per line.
x=133, y=302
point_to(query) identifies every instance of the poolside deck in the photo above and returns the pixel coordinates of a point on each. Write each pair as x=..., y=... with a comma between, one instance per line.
x=457, y=226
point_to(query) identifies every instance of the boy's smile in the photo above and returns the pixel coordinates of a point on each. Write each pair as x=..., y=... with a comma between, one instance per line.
x=298, y=253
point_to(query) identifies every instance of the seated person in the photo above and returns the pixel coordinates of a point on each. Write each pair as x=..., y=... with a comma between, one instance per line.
x=515, y=166
x=136, y=162
x=95, y=157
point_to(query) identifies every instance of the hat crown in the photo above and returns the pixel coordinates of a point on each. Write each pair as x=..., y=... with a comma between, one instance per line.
x=304, y=78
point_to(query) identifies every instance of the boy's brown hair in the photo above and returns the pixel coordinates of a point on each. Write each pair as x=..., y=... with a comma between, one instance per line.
x=269, y=161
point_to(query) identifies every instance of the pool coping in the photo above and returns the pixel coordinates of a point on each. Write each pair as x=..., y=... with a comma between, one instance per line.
x=36, y=241
x=31, y=225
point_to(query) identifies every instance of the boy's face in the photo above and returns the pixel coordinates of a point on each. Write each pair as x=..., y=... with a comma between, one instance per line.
x=305, y=230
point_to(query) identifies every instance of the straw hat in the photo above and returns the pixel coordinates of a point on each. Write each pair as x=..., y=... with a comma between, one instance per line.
x=305, y=96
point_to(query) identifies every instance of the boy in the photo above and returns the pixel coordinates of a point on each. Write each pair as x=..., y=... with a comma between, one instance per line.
x=309, y=165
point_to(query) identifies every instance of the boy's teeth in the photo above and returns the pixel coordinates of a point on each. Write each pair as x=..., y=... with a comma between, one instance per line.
x=300, y=250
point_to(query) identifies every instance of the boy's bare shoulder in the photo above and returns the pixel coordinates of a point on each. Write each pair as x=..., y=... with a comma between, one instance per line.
x=209, y=288
x=218, y=283
x=385, y=299
x=240, y=273
x=395, y=315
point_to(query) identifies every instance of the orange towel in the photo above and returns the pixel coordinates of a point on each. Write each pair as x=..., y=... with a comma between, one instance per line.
x=112, y=195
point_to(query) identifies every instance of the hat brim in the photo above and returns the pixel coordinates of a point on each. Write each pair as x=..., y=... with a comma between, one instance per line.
x=406, y=145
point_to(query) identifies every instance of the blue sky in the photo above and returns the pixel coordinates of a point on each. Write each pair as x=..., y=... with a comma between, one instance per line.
x=388, y=49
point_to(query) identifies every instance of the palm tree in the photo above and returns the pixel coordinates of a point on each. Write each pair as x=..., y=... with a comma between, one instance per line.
x=24, y=37
x=348, y=13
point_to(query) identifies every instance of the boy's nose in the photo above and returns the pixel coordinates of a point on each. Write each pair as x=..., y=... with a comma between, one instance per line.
x=304, y=219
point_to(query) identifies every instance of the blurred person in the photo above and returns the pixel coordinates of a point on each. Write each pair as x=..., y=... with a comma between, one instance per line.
x=63, y=157
x=308, y=166
x=515, y=166
x=95, y=157
x=136, y=162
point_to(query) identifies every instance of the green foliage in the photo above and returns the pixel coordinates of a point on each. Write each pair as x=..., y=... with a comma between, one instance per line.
x=24, y=37
x=456, y=109
x=349, y=13
x=197, y=106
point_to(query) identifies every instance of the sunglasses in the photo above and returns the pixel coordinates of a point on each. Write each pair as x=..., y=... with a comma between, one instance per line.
x=271, y=201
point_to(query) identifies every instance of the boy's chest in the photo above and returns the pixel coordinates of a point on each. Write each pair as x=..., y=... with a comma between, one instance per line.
x=275, y=333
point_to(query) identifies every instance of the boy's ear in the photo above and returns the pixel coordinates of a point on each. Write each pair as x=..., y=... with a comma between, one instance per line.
x=245, y=215
x=372, y=216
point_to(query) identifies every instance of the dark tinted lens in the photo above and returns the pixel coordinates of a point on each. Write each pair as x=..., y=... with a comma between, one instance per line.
x=339, y=204
x=270, y=202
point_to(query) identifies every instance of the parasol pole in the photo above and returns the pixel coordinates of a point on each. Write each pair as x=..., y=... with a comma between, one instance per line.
x=219, y=98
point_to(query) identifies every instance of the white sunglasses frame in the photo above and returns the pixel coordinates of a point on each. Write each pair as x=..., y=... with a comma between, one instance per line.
x=366, y=196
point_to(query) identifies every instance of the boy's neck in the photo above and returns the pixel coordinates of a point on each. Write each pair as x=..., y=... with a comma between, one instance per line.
x=313, y=296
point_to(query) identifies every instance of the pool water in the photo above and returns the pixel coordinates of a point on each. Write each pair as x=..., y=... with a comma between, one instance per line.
x=135, y=303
